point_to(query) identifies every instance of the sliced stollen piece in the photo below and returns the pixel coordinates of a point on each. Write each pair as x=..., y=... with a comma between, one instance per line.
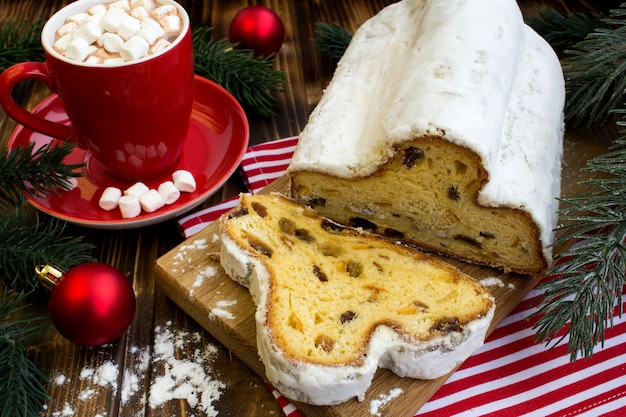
x=442, y=126
x=335, y=303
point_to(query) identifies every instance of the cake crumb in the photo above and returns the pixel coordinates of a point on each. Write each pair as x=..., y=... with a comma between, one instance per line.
x=382, y=400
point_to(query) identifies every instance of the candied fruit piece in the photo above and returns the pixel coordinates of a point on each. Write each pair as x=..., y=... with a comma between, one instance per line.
x=412, y=155
x=319, y=274
x=260, y=209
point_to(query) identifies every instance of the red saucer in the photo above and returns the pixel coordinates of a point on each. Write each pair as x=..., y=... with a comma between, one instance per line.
x=216, y=142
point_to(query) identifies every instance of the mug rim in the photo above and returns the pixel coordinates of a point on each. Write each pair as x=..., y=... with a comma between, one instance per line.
x=48, y=32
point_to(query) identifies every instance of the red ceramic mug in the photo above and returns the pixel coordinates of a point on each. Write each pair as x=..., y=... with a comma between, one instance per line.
x=132, y=117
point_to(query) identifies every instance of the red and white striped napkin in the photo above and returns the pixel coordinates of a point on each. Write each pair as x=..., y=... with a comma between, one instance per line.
x=260, y=165
x=510, y=375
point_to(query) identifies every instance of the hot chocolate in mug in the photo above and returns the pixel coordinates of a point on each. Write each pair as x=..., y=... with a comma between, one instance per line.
x=131, y=114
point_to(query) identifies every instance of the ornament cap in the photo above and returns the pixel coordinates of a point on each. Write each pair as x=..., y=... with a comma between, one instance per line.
x=49, y=275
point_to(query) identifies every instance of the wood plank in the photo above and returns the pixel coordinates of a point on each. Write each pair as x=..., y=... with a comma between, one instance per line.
x=180, y=275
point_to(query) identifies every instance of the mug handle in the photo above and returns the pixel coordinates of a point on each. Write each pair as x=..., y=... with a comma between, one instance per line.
x=30, y=71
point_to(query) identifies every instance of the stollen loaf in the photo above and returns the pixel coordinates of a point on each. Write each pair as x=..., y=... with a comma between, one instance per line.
x=442, y=126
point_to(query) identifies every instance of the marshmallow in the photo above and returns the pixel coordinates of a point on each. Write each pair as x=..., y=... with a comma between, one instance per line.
x=136, y=190
x=93, y=60
x=184, y=181
x=171, y=24
x=89, y=32
x=129, y=27
x=113, y=61
x=134, y=48
x=98, y=9
x=121, y=4
x=139, y=12
x=110, y=198
x=168, y=192
x=111, y=42
x=129, y=206
x=165, y=10
x=61, y=43
x=77, y=49
x=160, y=45
x=79, y=18
x=147, y=4
x=112, y=19
x=150, y=30
x=151, y=201
x=67, y=29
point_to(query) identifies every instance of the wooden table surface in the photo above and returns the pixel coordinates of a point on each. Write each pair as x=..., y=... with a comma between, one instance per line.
x=72, y=370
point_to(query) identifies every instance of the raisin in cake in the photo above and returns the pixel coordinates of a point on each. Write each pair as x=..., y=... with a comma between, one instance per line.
x=335, y=303
x=442, y=126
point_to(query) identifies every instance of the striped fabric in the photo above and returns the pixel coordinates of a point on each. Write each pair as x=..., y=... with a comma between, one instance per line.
x=510, y=375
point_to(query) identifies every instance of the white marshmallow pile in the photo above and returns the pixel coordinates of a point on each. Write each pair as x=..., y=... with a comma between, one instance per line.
x=139, y=197
x=117, y=32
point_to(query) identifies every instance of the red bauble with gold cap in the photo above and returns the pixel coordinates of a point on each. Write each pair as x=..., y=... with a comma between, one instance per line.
x=91, y=304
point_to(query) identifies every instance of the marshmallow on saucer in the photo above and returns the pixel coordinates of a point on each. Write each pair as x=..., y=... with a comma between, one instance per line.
x=184, y=181
x=129, y=206
x=110, y=198
x=151, y=201
x=136, y=190
x=169, y=192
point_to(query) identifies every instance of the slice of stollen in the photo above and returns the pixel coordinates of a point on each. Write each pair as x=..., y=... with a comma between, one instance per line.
x=335, y=303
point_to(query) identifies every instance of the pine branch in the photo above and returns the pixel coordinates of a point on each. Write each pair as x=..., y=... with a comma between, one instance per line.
x=586, y=293
x=22, y=384
x=20, y=42
x=331, y=40
x=37, y=172
x=22, y=247
x=595, y=73
x=562, y=32
x=251, y=80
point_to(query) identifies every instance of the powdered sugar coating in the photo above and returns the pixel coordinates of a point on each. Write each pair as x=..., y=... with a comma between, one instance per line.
x=484, y=81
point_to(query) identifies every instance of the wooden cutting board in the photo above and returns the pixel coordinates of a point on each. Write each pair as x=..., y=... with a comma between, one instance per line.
x=195, y=281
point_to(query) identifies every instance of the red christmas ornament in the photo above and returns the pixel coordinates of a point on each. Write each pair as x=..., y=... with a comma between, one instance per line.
x=258, y=28
x=91, y=304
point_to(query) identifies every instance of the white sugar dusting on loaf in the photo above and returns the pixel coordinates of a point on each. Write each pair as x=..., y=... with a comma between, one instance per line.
x=470, y=78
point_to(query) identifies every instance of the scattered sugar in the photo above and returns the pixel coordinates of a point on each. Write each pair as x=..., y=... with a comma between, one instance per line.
x=86, y=394
x=208, y=272
x=180, y=374
x=221, y=311
x=65, y=412
x=183, y=378
x=495, y=282
x=59, y=380
x=182, y=258
x=382, y=400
